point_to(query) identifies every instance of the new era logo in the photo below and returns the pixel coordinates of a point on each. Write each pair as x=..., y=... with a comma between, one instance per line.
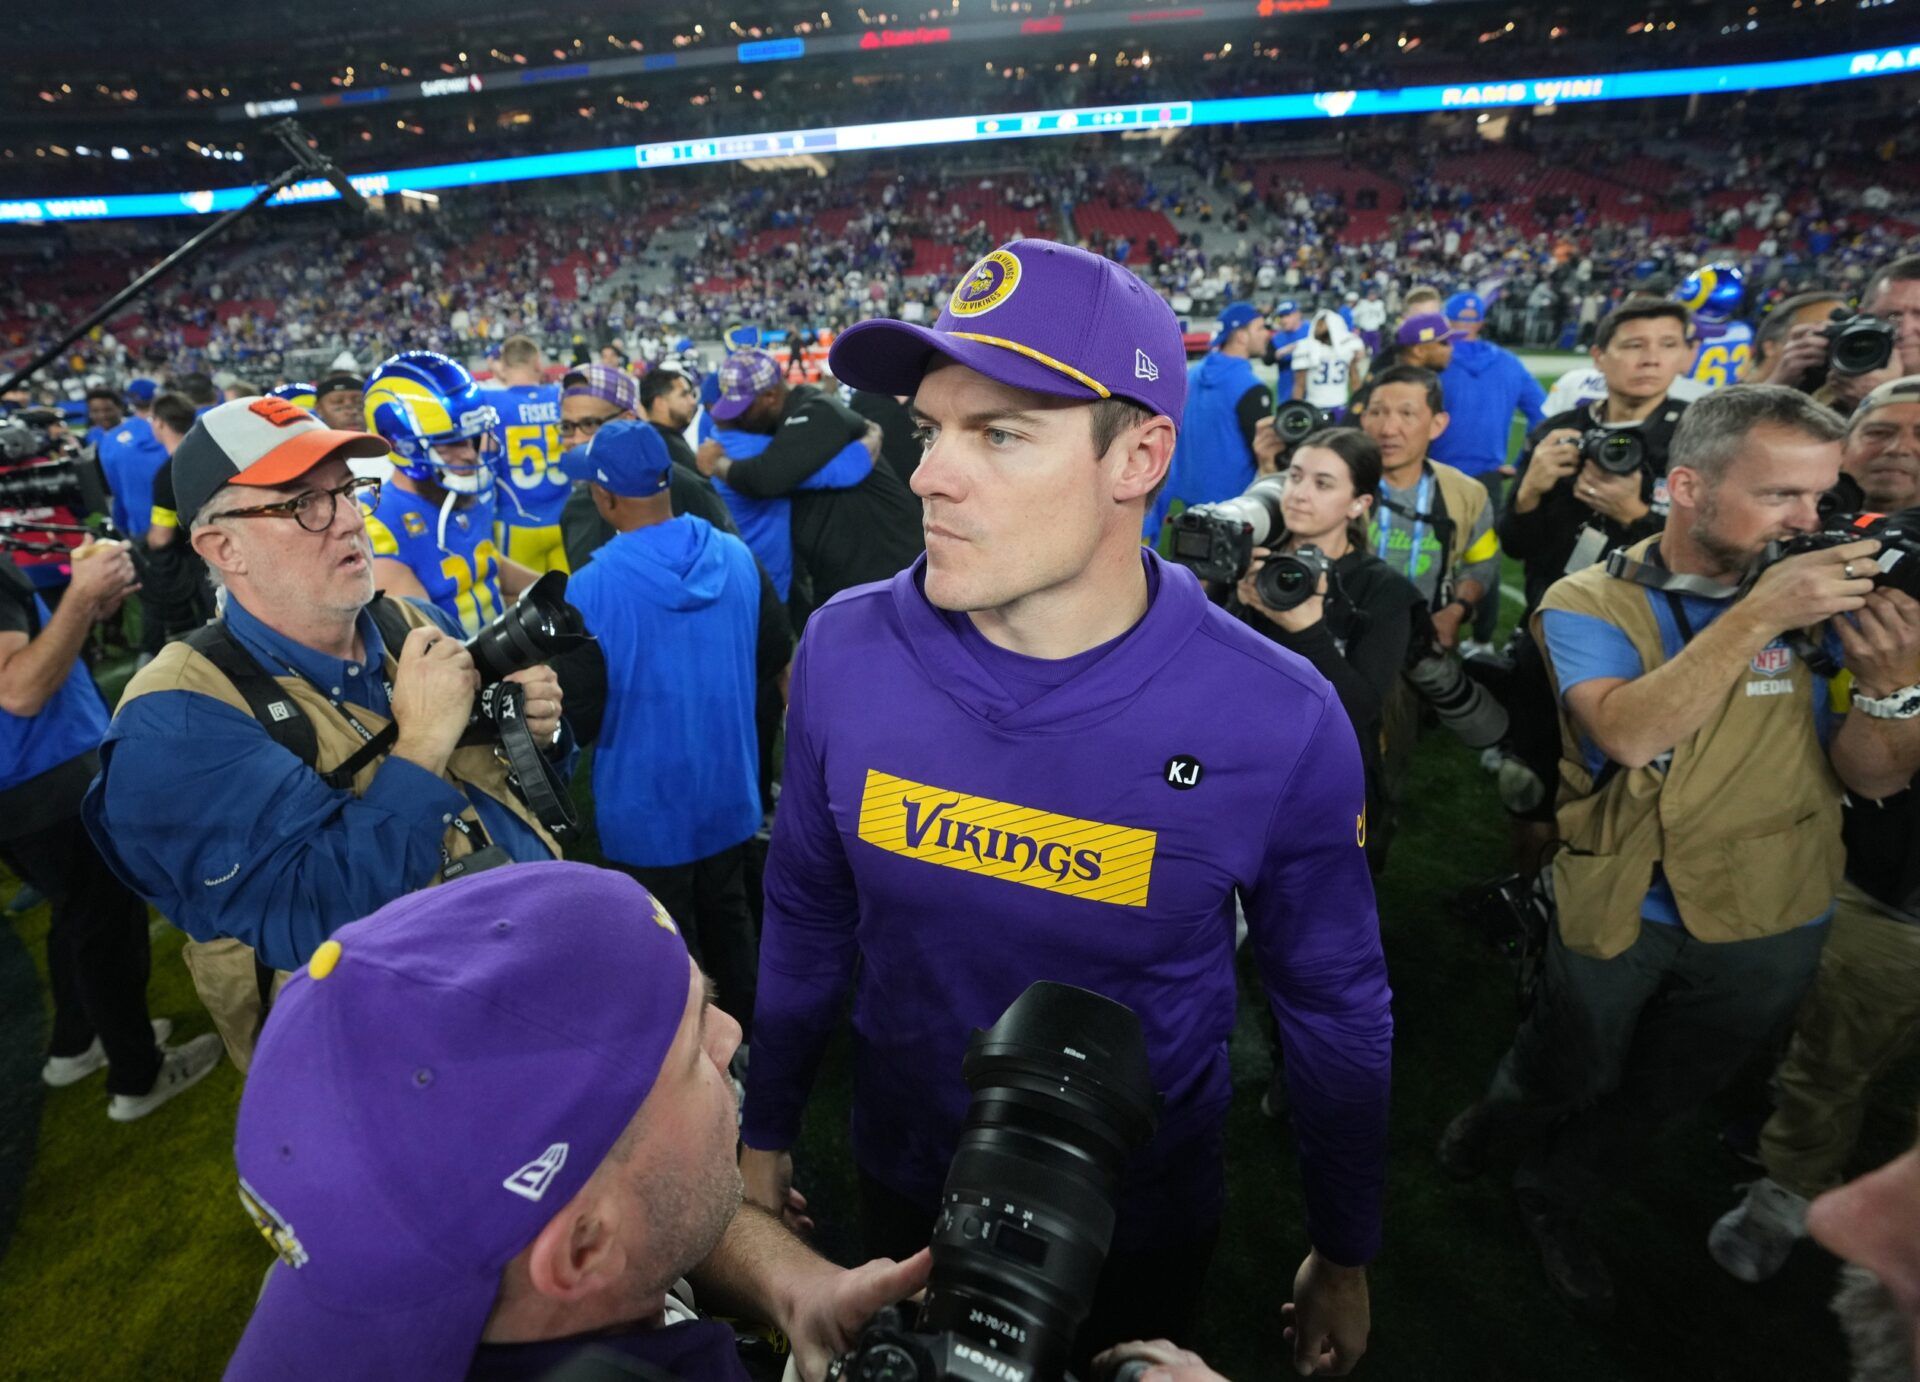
x=1143, y=368
x=530, y=1182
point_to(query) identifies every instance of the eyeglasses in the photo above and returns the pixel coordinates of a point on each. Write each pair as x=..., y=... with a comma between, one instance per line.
x=316, y=509
x=587, y=426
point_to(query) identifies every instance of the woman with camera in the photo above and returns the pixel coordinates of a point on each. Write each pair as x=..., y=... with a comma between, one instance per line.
x=1355, y=622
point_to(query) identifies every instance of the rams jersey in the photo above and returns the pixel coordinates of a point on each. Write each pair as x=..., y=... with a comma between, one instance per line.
x=463, y=577
x=532, y=489
x=1722, y=359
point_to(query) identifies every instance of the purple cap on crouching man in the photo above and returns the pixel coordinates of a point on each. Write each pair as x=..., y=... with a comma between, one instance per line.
x=436, y=1084
x=1039, y=316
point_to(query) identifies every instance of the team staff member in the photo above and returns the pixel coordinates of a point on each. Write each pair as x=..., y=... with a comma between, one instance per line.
x=1288, y=331
x=591, y=396
x=1424, y=341
x=51, y=721
x=1213, y=458
x=202, y=809
x=1864, y=1010
x=1356, y=627
x=432, y=532
x=1041, y=753
x=841, y=537
x=1568, y=513
x=530, y=488
x=685, y=639
x=622, y=1130
x=1701, y=818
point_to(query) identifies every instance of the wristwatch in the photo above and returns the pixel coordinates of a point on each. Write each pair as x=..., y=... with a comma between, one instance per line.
x=1903, y=704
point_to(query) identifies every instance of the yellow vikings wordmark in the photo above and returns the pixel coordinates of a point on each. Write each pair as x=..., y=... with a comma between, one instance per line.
x=998, y=839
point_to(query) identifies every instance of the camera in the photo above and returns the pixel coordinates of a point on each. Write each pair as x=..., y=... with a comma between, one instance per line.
x=1858, y=343
x=1898, y=562
x=1288, y=579
x=1468, y=709
x=1616, y=450
x=537, y=628
x=1062, y=1099
x=1216, y=541
x=1296, y=420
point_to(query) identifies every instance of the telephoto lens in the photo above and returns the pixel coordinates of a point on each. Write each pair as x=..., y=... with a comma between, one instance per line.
x=1463, y=705
x=1062, y=1098
x=1216, y=541
x=541, y=625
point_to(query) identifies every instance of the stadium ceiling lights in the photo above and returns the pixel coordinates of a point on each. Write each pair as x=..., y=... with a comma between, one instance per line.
x=967, y=129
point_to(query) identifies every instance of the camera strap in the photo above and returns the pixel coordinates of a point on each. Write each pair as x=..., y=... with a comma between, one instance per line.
x=539, y=785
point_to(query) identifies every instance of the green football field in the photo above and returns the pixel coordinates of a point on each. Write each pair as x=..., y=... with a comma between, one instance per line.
x=124, y=1252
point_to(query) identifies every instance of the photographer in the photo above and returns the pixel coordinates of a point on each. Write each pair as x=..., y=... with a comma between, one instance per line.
x=1357, y=624
x=1569, y=511
x=202, y=805
x=1864, y=1008
x=1892, y=296
x=1789, y=347
x=1701, y=818
x=621, y=1124
x=51, y=720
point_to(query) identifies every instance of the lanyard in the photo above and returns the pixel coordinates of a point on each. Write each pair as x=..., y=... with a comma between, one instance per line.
x=1422, y=510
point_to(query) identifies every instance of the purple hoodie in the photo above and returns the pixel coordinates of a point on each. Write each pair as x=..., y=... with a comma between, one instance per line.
x=967, y=821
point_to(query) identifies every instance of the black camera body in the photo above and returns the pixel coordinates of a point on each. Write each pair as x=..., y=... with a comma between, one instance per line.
x=1289, y=579
x=1296, y=420
x=1062, y=1099
x=1616, y=450
x=1216, y=541
x=1858, y=343
x=1898, y=562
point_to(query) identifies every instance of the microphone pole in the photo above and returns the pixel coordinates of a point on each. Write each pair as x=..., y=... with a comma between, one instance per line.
x=308, y=163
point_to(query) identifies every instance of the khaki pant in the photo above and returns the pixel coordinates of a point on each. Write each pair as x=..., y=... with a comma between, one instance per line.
x=1861, y=1014
x=228, y=984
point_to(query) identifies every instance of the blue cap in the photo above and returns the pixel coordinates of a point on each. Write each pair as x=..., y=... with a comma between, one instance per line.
x=142, y=390
x=1465, y=307
x=739, y=337
x=1286, y=307
x=627, y=458
x=1236, y=315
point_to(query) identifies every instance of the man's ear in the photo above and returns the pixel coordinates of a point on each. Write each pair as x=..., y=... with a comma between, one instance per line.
x=1440, y=421
x=578, y=1253
x=1147, y=452
x=217, y=549
x=1685, y=488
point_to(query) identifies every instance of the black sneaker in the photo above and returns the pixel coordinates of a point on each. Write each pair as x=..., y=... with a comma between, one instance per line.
x=1574, y=1269
x=1462, y=1152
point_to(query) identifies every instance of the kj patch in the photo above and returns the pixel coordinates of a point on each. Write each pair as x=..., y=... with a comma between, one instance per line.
x=1016, y=844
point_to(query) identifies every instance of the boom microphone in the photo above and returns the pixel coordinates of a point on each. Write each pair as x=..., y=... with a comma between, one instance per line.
x=317, y=164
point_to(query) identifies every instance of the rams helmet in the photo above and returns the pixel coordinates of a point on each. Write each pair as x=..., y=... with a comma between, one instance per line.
x=299, y=395
x=1713, y=293
x=419, y=401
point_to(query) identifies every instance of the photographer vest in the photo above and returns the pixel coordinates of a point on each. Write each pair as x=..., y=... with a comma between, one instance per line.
x=233, y=985
x=1459, y=501
x=1744, y=820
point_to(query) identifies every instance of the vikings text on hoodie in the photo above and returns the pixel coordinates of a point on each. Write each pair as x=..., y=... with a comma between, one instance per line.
x=676, y=607
x=961, y=821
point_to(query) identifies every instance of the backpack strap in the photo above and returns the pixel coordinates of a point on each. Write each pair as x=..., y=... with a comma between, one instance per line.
x=277, y=713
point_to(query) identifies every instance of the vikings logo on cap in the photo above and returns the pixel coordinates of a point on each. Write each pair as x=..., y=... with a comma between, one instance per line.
x=987, y=284
x=277, y=1231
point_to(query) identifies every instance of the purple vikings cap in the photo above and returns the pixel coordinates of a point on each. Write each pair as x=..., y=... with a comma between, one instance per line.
x=1422, y=328
x=743, y=375
x=435, y=1085
x=1039, y=316
x=604, y=382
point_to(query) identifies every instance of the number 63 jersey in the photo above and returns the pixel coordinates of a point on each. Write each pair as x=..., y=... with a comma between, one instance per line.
x=462, y=577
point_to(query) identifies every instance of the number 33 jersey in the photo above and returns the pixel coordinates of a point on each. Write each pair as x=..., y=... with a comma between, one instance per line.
x=461, y=577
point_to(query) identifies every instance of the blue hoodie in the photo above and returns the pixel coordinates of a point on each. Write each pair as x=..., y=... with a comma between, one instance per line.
x=676, y=607
x=957, y=821
x=1483, y=387
x=767, y=524
x=1211, y=458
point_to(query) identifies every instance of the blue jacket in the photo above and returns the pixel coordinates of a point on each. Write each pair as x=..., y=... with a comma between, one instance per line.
x=68, y=725
x=199, y=811
x=130, y=456
x=676, y=607
x=767, y=524
x=1211, y=458
x=1483, y=387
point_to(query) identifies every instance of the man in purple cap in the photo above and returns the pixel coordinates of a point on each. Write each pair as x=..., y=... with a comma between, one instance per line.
x=1424, y=341
x=1214, y=456
x=1040, y=753
x=842, y=536
x=490, y=1126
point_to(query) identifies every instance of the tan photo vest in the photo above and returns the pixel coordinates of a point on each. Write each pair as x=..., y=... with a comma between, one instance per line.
x=1744, y=821
x=225, y=975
